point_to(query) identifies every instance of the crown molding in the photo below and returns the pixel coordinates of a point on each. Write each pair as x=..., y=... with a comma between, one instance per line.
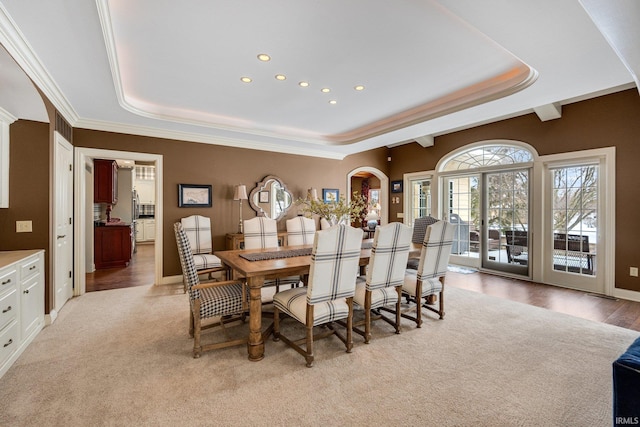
x=21, y=51
x=205, y=139
x=7, y=117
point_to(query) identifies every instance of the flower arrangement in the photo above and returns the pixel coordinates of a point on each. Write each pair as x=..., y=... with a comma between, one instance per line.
x=336, y=211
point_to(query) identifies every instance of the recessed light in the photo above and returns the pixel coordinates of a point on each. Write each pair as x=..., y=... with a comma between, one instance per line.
x=359, y=87
x=333, y=102
x=281, y=77
x=304, y=84
x=245, y=79
x=264, y=57
x=325, y=90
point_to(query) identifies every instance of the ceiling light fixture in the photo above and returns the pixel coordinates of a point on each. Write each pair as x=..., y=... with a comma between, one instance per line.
x=325, y=90
x=264, y=57
x=281, y=77
x=333, y=102
x=304, y=84
x=245, y=79
x=359, y=87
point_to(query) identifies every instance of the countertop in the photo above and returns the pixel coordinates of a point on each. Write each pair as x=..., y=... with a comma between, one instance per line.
x=9, y=257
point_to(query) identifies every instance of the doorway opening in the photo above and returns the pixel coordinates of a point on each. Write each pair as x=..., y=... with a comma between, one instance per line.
x=146, y=264
x=373, y=184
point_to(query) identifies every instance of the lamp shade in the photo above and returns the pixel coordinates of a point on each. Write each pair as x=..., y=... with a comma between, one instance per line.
x=240, y=193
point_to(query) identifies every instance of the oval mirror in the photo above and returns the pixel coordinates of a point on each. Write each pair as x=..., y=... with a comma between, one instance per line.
x=270, y=198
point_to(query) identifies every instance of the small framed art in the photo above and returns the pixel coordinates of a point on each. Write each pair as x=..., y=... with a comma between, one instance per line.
x=396, y=186
x=194, y=196
x=264, y=197
x=330, y=195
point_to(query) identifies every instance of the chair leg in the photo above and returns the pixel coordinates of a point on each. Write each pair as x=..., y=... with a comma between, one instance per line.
x=367, y=317
x=350, y=325
x=197, y=348
x=309, y=356
x=191, y=323
x=419, y=304
x=398, y=308
x=276, y=324
x=441, y=313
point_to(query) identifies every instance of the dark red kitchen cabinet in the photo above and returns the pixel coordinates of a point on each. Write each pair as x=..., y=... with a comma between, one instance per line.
x=105, y=181
x=112, y=244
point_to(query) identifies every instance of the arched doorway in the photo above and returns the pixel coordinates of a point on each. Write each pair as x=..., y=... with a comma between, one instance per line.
x=379, y=180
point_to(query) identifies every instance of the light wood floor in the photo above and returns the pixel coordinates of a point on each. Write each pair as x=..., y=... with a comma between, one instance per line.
x=619, y=312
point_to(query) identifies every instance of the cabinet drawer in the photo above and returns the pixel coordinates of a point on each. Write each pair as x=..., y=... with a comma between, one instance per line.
x=8, y=308
x=9, y=341
x=30, y=267
x=8, y=279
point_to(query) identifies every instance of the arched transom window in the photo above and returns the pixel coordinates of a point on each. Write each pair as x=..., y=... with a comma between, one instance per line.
x=487, y=155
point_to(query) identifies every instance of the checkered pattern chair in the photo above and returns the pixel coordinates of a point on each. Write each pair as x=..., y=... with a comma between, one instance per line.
x=428, y=279
x=300, y=231
x=262, y=233
x=382, y=285
x=419, y=230
x=329, y=296
x=226, y=300
x=198, y=230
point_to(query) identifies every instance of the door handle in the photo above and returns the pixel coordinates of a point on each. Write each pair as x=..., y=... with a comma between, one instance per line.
x=6, y=310
x=62, y=237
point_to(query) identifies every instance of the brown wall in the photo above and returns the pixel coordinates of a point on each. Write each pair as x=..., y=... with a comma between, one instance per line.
x=225, y=167
x=28, y=191
x=612, y=120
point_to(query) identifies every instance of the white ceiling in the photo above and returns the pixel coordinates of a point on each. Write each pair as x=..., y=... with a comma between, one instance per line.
x=172, y=69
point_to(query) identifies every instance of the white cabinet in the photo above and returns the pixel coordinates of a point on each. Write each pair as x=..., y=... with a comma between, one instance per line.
x=21, y=302
x=145, y=184
x=146, y=230
x=149, y=229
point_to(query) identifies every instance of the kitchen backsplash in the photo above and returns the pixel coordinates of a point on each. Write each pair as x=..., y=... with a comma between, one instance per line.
x=147, y=210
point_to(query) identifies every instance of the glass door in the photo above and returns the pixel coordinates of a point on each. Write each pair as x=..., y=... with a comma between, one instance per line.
x=572, y=240
x=462, y=202
x=505, y=233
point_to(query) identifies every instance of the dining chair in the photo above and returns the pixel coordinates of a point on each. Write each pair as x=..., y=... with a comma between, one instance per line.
x=225, y=300
x=324, y=224
x=382, y=285
x=428, y=279
x=198, y=231
x=419, y=229
x=300, y=231
x=262, y=233
x=329, y=295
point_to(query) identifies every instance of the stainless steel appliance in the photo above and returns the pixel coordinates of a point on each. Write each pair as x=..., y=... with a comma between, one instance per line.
x=135, y=214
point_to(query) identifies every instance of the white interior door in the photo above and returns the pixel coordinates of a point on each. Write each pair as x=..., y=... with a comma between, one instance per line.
x=63, y=222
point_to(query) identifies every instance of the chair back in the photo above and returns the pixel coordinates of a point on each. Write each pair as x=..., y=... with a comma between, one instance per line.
x=420, y=228
x=260, y=233
x=335, y=259
x=436, y=249
x=186, y=261
x=300, y=231
x=198, y=230
x=389, y=256
x=324, y=224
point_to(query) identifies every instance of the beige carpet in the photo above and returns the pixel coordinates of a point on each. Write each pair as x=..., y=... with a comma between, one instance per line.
x=122, y=357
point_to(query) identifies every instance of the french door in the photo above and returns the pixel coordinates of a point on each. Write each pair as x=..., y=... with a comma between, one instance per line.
x=491, y=214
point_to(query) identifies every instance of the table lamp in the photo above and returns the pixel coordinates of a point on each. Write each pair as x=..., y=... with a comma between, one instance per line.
x=240, y=194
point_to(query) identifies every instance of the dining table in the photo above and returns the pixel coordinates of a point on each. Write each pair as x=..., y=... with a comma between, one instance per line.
x=258, y=265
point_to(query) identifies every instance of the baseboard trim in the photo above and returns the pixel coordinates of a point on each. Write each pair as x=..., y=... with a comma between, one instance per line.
x=627, y=294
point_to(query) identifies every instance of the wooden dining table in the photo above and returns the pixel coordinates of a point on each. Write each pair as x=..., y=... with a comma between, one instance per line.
x=256, y=272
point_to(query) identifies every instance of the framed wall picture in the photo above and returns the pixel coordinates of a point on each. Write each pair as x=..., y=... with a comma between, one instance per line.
x=330, y=195
x=194, y=196
x=263, y=197
x=396, y=186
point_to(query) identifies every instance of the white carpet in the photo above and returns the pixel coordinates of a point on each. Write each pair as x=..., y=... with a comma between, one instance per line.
x=122, y=357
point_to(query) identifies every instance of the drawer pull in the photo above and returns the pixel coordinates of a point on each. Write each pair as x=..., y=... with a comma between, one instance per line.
x=9, y=343
x=26, y=291
x=6, y=282
x=33, y=267
x=6, y=309
x=62, y=237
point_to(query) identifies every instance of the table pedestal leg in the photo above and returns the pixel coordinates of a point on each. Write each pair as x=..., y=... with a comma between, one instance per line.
x=255, y=346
